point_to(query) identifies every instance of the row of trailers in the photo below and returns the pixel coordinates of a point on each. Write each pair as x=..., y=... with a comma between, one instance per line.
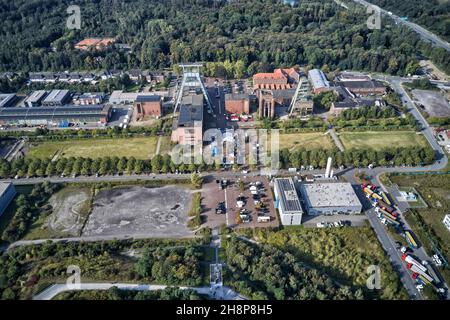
x=422, y=273
x=382, y=204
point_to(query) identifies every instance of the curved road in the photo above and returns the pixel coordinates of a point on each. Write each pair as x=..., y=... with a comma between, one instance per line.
x=421, y=31
x=54, y=290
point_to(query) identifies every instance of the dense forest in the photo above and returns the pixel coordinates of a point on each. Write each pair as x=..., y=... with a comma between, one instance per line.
x=432, y=14
x=249, y=35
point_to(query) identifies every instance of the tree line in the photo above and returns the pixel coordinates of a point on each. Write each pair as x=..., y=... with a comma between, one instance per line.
x=75, y=166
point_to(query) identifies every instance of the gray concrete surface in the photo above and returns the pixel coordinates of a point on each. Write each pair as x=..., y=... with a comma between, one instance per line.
x=156, y=212
x=435, y=104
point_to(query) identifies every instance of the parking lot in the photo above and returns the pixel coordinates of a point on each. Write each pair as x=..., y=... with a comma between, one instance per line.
x=213, y=195
x=347, y=220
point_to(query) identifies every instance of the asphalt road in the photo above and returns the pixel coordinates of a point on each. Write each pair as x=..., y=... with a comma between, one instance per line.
x=442, y=160
x=54, y=290
x=423, y=33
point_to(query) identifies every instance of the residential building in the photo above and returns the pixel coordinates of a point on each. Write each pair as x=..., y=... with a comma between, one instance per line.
x=287, y=202
x=319, y=81
x=135, y=75
x=447, y=221
x=35, y=98
x=98, y=44
x=37, y=78
x=237, y=103
x=188, y=129
x=330, y=198
x=154, y=77
x=148, y=106
x=7, y=194
x=56, y=98
x=7, y=100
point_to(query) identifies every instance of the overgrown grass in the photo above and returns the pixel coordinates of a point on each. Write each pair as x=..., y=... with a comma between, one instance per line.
x=345, y=254
x=381, y=140
x=138, y=147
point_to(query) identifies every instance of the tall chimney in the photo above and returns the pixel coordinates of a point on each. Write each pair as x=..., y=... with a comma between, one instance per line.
x=328, y=172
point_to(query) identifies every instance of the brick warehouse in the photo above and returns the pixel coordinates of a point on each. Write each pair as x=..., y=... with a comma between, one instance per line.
x=237, y=103
x=148, y=106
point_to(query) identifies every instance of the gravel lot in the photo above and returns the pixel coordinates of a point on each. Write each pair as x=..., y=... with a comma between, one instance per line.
x=436, y=105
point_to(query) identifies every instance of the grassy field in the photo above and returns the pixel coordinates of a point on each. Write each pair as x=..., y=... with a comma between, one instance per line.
x=381, y=140
x=344, y=254
x=314, y=140
x=140, y=148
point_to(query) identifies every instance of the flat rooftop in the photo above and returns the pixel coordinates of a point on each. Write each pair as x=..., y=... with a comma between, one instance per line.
x=289, y=199
x=191, y=111
x=36, y=96
x=318, y=79
x=5, y=98
x=3, y=187
x=319, y=195
x=56, y=96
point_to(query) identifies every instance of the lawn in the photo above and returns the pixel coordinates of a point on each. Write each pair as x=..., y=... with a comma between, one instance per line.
x=139, y=147
x=315, y=140
x=380, y=140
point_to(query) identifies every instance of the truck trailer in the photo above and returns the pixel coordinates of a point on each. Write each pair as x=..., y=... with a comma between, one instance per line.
x=411, y=239
x=408, y=259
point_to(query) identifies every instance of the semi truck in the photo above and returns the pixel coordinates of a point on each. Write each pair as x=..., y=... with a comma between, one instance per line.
x=388, y=215
x=409, y=259
x=433, y=273
x=411, y=239
x=385, y=198
x=386, y=207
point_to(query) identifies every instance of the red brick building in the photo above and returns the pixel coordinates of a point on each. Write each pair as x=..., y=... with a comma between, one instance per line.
x=270, y=81
x=237, y=103
x=148, y=106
